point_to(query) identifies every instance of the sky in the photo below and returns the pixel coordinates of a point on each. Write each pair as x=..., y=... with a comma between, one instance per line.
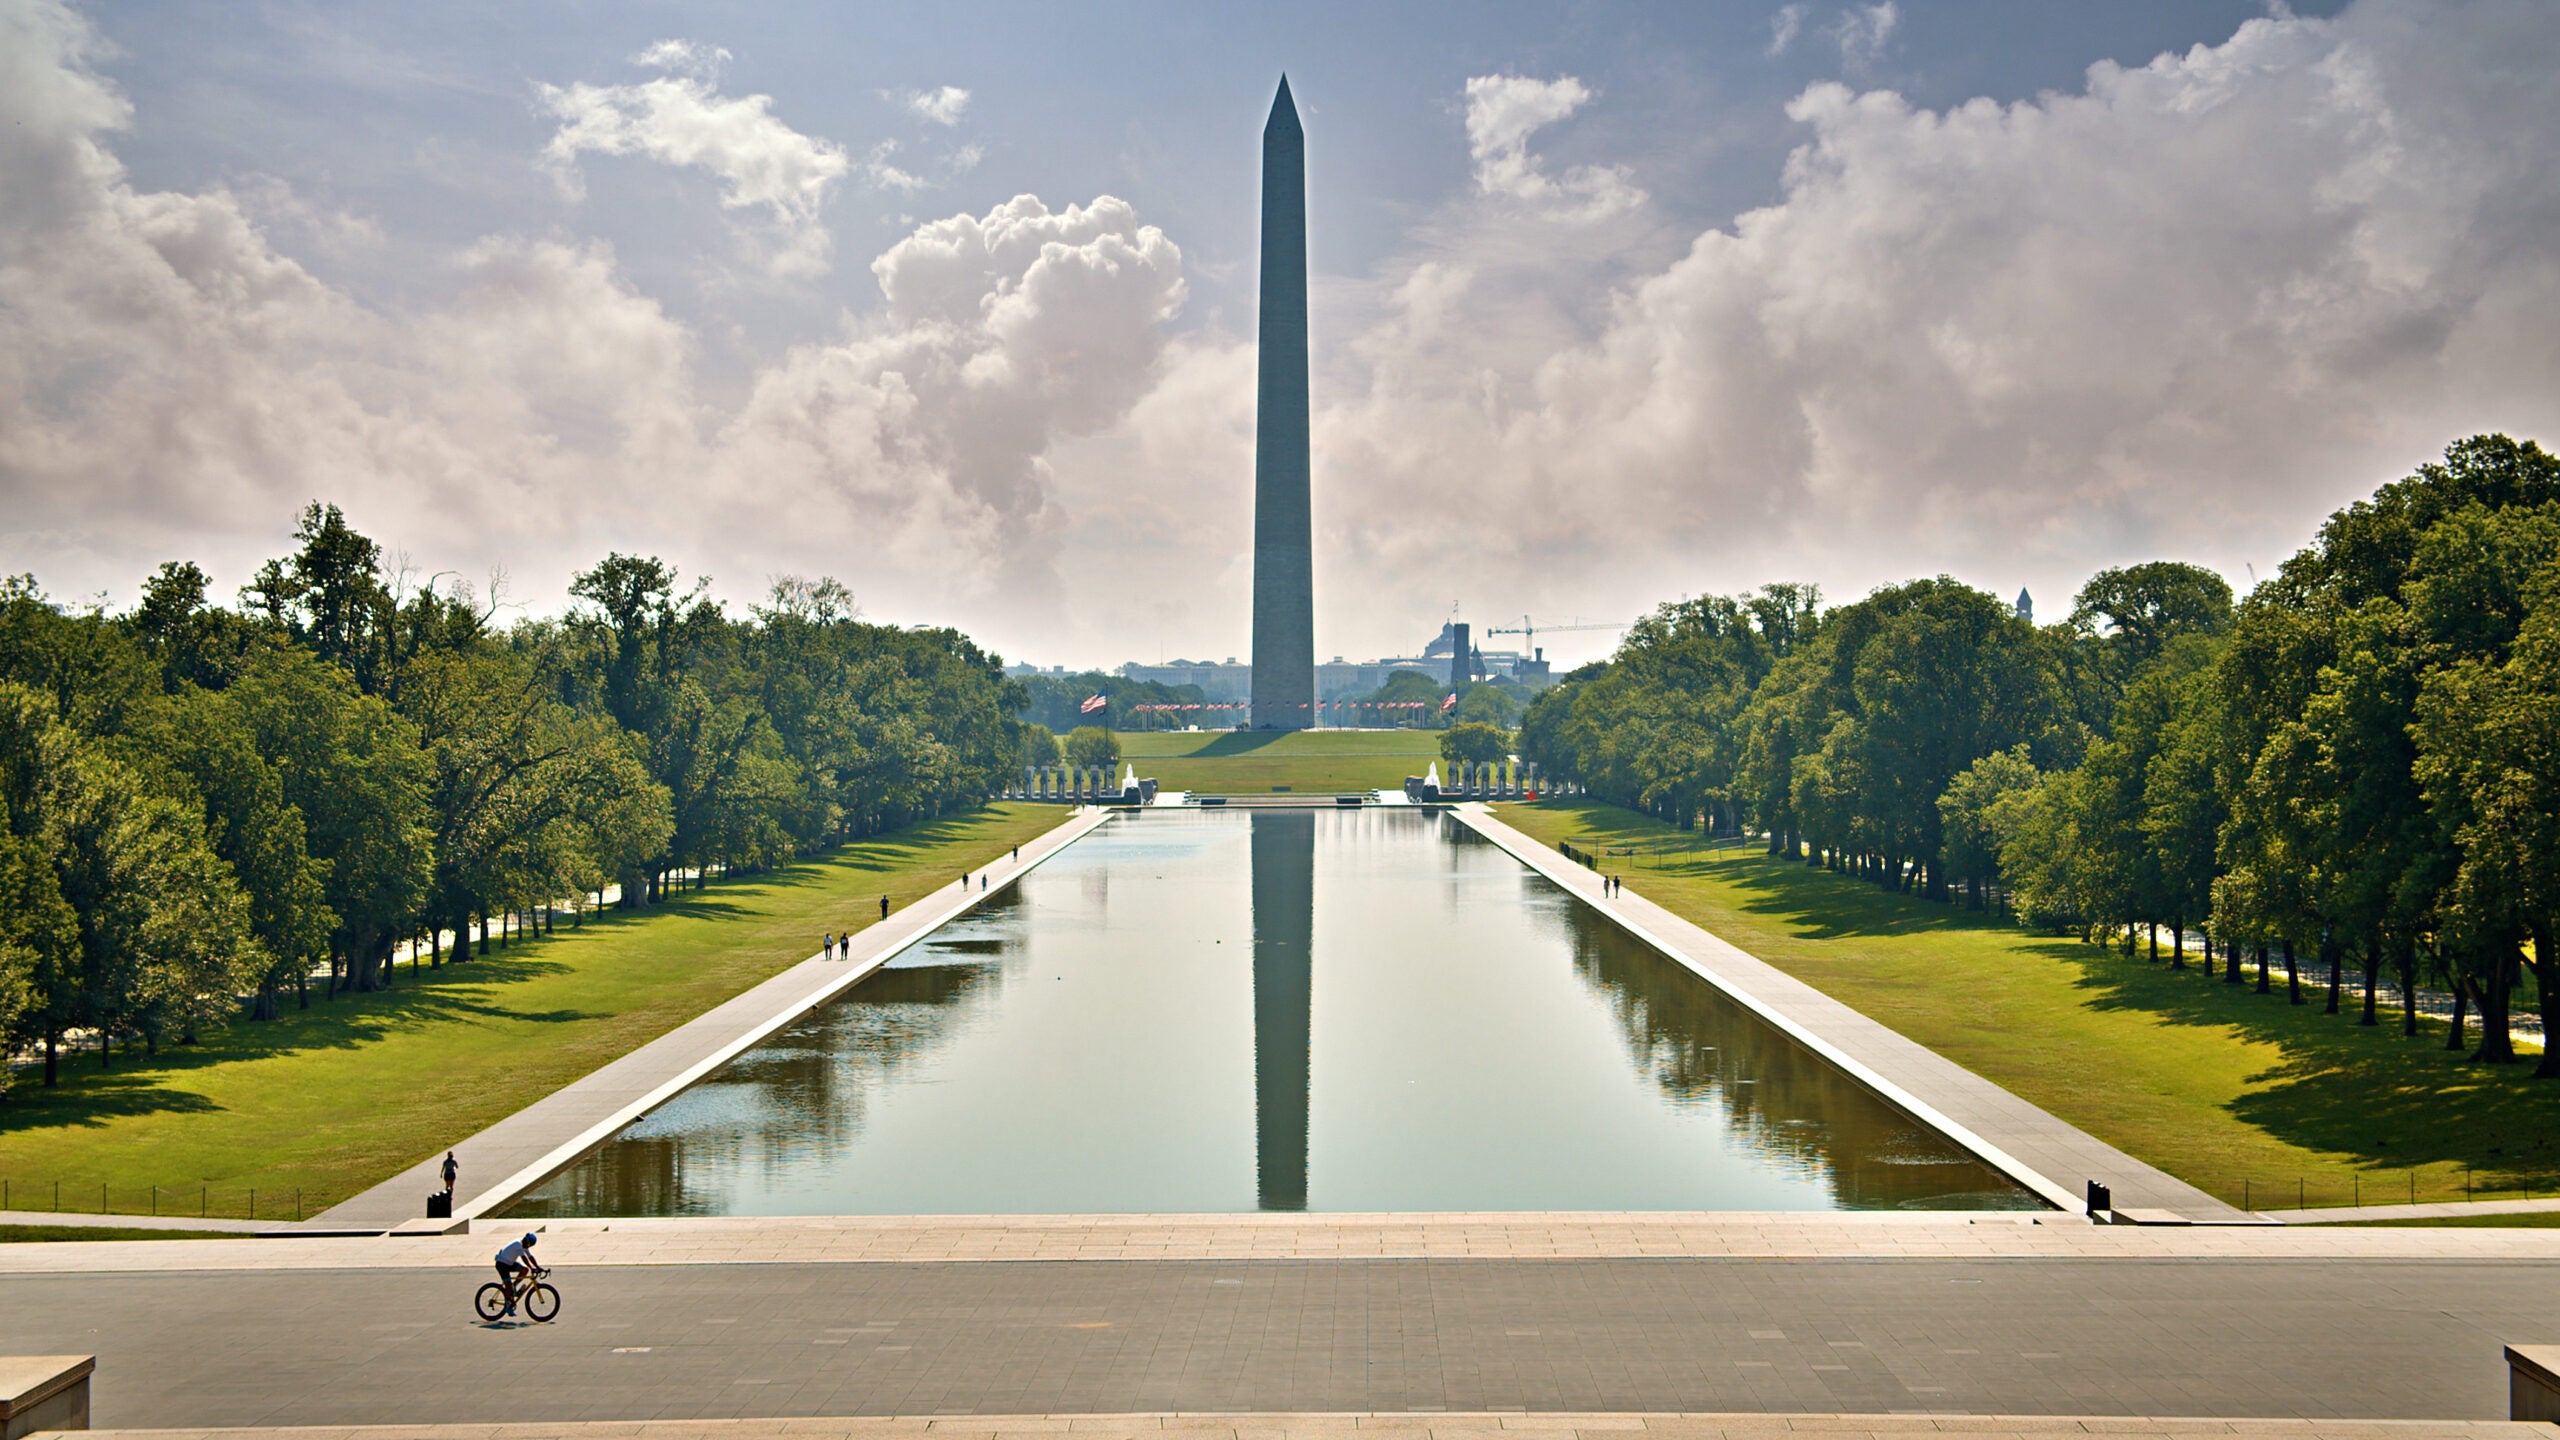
x=1612, y=304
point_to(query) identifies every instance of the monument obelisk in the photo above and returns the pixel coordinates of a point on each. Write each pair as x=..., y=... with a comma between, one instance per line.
x=1284, y=604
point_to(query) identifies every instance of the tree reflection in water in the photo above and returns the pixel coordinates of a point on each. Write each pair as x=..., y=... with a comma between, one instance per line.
x=1779, y=1099
x=796, y=1096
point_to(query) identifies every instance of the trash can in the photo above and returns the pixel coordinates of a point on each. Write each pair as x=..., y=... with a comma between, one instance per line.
x=2100, y=1200
x=440, y=1205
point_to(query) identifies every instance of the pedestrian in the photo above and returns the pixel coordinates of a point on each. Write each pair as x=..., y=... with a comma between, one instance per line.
x=1017, y=852
x=964, y=879
x=884, y=907
x=451, y=1169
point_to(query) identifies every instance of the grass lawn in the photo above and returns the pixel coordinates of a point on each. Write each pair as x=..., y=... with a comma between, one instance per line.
x=2235, y=1092
x=1245, y=762
x=326, y=1102
x=31, y=1234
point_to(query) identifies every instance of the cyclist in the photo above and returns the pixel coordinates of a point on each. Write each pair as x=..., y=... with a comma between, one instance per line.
x=514, y=1261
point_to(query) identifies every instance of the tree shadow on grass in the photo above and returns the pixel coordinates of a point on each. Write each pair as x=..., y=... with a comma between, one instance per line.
x=140, y=1084
x=2383, y=1100
x=2377, y=1100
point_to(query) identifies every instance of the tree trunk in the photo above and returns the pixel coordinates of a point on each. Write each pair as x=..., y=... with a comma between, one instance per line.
x=2461, y=999
x=2292, y=976
x=2546, y=978
x=52, y=1061
x=2405, y=956
x=267, y=1005
x=2497, y=1045
x=484, y=931
x=302, y=986
x=2262, y=967
x=2177, y=943
x=2331, y=945
x=2372, y=979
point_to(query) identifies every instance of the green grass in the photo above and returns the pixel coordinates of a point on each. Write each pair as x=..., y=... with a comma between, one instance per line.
x=34, y=1234
x=1244, y=762
x=2531, y=1220
x=2236, y=1092
x=323, y=1103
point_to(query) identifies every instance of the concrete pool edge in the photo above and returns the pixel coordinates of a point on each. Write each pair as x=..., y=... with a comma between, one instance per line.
x=1938, y=1092
x=536, y=1142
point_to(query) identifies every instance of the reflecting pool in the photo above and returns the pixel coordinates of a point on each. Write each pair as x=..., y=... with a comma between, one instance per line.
x=1275, y=1010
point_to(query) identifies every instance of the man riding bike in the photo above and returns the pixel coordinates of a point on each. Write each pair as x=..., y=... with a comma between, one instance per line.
x=516, y=1261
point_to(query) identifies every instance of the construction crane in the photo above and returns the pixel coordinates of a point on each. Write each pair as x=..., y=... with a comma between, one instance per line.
x=1528, y=632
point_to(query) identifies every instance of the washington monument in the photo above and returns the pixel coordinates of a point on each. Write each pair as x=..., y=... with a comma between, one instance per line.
x=1284, y=605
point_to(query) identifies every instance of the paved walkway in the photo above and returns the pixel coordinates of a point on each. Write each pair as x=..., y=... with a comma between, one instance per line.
x=2037, y=1149
x=1405, y=1426
x=938, y=1239
x=2304, y=1338
x=521, y=1150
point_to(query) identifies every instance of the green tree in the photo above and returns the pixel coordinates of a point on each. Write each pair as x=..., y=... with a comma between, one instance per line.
x=1971, y=842
x=1093, y=745
x=1471, y=743
x=206, y=741
x=356, y=771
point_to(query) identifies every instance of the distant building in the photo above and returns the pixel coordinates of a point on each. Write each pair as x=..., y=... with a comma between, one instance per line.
x=1221, y=682
x=2026, y=606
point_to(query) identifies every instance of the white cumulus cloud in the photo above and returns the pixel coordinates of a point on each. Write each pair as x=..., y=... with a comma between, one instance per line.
x=682, y=119
x=1503, y=111
x=2185, y=310
x=172, y=385
x=942, y=105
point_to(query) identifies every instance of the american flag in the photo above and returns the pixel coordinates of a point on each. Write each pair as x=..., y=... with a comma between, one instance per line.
x=1097, y=702
x=1451, y=703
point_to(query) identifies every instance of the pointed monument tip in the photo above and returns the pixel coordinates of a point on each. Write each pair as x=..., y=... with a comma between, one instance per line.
x=1284, y=110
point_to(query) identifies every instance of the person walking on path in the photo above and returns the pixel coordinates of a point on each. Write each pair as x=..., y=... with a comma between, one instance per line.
x=884, y=907
x=831, y=945
x=964, y=879
x=451, y=1170
x=1017, y=854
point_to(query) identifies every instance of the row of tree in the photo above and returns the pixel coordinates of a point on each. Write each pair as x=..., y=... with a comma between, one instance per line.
x=205, y=804
x=2357, y=764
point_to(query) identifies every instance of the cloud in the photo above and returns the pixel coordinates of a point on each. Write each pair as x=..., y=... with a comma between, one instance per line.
x=942, y=106
x=2185, y=310
x=1862, y=31
x=172, y=385
x=1503, y=111
x=682, y=119
x=1784, y=27
x=888, y=176
x=684, y=57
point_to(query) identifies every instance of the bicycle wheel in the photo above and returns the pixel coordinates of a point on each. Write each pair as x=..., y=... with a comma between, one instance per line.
x=491, y=1302
x=541, y=1303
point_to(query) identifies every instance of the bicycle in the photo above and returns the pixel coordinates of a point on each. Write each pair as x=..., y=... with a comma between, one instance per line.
x=541, y=1301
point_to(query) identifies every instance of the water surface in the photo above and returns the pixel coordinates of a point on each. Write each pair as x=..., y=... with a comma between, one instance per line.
x=1276, y=1010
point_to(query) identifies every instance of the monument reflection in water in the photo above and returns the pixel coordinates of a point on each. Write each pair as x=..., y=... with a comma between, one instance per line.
x=1280, y=1010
